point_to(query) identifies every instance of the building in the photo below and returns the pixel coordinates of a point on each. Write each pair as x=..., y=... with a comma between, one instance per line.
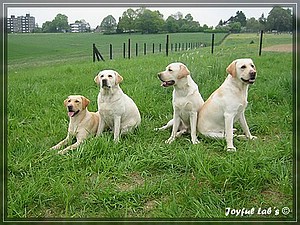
x=80, y=27
x=20, y=24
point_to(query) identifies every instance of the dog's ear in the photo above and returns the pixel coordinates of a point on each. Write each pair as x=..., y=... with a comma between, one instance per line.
x=96, y=79
x=183, y=72
x=66, y=101
x=119, y=78
x=85, y=102
x=231, y=69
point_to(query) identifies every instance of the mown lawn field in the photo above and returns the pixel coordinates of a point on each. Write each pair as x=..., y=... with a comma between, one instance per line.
x=37, y=48
x=141, y=176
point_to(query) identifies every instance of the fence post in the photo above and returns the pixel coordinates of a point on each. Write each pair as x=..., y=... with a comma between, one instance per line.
x=167, y=45
x=94, y=53
x=212, y=43
x=124, y=51
x=260, y=42
x=110, y=52
x=153, y=47
x=145, y=48
x=136, y=49
x=97, y=54
x=129, y=48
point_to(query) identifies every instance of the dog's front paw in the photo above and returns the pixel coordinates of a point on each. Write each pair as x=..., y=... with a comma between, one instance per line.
x=170, y=140
x=231, y=149
x=195, y=141
x=252, y=137
x=55, y=147
x=245, y=137
x=62, y=152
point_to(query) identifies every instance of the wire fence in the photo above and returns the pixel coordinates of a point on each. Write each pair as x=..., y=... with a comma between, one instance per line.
x=129, y=50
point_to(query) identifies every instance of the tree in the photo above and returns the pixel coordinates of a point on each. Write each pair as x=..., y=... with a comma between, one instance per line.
x=172, y=25
x=58, y=24
x=149, y=22
x=263, y=21
x=253, y=25
x=108, y=24
x=48, y=27
x=177, y=16
x=61, y=23
x=127, y=22
x=239, y=17
x=279, y=19
x=235, y=27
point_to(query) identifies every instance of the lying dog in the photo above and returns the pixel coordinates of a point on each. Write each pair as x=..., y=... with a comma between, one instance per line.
x=117, y=110
x=82, y=122
x=227, y=104
x=186, y=101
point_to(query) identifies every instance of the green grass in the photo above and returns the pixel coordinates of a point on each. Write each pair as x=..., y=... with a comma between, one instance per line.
x=142, y=177
x=36, y=48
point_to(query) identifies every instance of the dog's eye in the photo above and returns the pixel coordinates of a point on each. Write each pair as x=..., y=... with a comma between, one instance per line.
x=252, y=66
x=76, y=101
x=69, y=100
x=170, y=70
x=110, y=76
x=243, y=67
x=102, y=76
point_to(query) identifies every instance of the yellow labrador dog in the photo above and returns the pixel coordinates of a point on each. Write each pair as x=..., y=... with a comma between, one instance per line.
x=82, y=122
x=186, y=101
x=117, y=110
x=227, y=104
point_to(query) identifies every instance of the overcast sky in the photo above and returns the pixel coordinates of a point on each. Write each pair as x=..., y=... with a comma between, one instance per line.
x=94, y=15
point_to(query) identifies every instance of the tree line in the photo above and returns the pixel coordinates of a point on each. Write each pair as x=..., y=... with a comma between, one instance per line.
x=146, y=21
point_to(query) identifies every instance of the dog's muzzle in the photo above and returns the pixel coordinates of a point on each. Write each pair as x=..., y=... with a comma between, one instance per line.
x=165, y=83
x=105, y=84
x=71, y=112
x=252, y=78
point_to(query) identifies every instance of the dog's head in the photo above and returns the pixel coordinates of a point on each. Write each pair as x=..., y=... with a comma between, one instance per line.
x=75, y=104
x=108, y=79
x=243, y=69
x=173, y=74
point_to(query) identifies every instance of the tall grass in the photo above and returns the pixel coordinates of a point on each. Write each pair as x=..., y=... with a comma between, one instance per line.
x=142, y=177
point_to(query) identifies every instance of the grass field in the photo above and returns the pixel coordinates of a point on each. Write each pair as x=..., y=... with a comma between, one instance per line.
x=36, y=48
x=142, y=177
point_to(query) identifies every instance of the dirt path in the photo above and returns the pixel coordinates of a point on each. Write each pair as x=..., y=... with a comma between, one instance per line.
x=279, y=48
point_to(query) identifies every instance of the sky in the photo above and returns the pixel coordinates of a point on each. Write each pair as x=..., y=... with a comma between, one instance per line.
x=94, y=15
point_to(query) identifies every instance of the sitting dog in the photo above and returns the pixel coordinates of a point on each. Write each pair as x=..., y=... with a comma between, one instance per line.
x=82, y=122
x=227, y=104
x=187, y=101
x=118, y=111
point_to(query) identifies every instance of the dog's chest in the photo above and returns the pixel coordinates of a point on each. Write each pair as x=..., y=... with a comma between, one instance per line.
x=107, y=109
x=182, y=104
x=183, y=108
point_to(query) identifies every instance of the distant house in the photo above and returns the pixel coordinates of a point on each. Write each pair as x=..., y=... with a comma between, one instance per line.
x=20, y=24
x=80, y=27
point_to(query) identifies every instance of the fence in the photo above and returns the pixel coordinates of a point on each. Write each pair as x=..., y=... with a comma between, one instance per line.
x=128, y=50
x=183, y=46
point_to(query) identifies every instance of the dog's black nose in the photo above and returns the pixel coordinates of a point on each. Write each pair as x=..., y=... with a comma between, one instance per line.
x=104, y=82
x=252, y=74
x=70, y=108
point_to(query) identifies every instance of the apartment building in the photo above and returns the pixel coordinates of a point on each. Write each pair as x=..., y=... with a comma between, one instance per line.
x=20, y=24
x=79, y=27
